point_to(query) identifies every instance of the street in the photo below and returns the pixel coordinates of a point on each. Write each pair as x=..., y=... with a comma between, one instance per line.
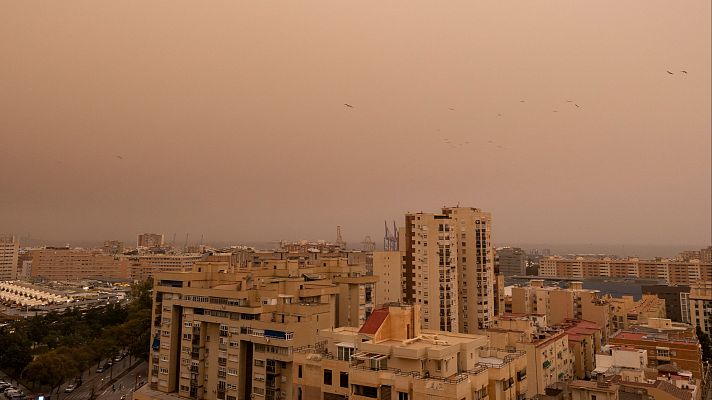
x=99, y=382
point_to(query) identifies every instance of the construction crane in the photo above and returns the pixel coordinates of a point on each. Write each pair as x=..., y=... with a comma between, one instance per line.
x=390, y=240
x=339, y=240
x=368, y=244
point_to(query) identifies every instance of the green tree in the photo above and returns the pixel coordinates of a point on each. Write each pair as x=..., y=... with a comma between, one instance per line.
x=705, y=343
x=15, y=353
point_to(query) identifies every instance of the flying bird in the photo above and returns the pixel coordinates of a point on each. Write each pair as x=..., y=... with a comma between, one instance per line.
x=683, y=71
x=555, y=111
x=348, y=105
x=670, y=73
x=522, y=101
x=577, y=106
x=499, y=115
x=119, y=157
x=569, y=101
x=451, y=108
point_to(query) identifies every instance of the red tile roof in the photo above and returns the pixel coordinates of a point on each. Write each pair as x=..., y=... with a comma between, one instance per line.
x=374, y=321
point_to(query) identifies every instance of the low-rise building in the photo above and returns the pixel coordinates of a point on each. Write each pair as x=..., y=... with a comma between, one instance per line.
x=390, y=357
x=677, y=300
x=663, y=349
x=546, y=349
x=626, y=311
x=144, y=266
x=560, y=304
x=585, y=339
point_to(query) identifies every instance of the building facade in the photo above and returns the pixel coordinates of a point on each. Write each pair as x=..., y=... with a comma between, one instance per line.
x=510, y=261
x=387, y=266
x=9, y=249
x=149, y=240
x=701, y=306
x=144, y=266
x=674, y=272
x=65, y=264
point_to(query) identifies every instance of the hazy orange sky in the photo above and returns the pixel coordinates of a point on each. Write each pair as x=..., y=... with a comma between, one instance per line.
x=229, y=118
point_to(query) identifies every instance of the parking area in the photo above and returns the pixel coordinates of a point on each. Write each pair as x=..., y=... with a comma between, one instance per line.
x=8, y=391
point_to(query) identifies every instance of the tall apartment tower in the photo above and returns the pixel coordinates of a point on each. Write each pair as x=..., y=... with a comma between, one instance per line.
x=448, y=268
x=9, y=248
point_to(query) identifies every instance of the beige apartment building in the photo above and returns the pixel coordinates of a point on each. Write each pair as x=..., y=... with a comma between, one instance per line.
x=390, y=357
x=65, y=264
x=546, y=349
x=701, y=306
x=674, y=272
x=9, y=249
x=222, y=334
x=448, y=268
x=387, y=266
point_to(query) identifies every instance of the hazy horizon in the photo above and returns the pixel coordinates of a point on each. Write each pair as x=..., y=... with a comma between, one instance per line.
x=570, y=121
x=617, y=249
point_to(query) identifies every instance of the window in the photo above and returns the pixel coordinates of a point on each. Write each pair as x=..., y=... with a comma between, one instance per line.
x=327, y=377
x=299, y=371
x=344, y=379
x=344, y=353
x=402, y=396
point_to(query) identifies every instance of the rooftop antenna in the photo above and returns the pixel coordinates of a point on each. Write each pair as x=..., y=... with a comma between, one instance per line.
x=185, y=245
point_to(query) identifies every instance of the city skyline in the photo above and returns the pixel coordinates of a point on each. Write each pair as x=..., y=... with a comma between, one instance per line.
x=263, y=122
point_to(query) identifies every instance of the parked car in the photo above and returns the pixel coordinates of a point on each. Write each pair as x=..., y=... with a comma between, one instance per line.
x=17, y=395
x=100, y=370
x=70, y=388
